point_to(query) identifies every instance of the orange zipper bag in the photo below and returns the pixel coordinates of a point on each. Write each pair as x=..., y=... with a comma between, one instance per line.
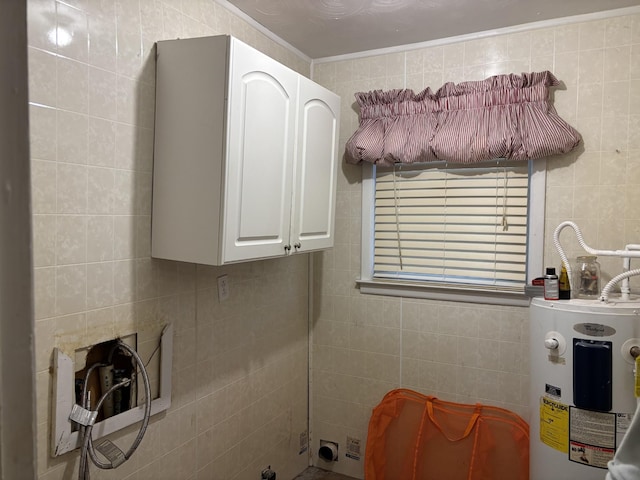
x=417, y=437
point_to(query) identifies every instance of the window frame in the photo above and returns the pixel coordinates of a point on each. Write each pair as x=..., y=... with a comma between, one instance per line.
x=460, y=293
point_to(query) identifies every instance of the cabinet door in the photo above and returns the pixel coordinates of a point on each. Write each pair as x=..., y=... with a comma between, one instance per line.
x=260, y=147
x=313, y=215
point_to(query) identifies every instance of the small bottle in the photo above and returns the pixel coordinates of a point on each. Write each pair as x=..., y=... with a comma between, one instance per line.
x=551, y=289
x=564, y=286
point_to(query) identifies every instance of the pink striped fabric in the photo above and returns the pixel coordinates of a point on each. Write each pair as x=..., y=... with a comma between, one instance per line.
x=504, y=116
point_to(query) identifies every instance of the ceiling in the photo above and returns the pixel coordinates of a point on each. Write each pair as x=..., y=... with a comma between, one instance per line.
x=327, y=28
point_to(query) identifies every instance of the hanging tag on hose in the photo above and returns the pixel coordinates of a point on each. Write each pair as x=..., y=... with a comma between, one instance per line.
x=112, y=453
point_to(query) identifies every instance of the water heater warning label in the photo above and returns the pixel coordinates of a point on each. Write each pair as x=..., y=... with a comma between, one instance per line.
x=554, y=424
x=592, y=437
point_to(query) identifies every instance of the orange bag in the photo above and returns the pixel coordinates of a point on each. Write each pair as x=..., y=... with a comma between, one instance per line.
x=416, y=437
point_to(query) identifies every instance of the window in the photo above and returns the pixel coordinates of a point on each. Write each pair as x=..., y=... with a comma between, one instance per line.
x=453, y=231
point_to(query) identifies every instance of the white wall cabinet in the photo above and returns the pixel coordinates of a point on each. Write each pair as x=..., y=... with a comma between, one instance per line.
x=245, y=157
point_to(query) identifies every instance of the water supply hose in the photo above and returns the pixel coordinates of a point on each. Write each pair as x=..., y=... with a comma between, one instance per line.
x=563, y=256
x=87, y=449
x=604, y=295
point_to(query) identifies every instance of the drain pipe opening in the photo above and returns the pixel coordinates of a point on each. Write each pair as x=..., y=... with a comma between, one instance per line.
x=328, y=451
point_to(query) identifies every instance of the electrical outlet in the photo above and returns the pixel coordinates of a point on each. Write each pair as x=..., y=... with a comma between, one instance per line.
x=223, y=288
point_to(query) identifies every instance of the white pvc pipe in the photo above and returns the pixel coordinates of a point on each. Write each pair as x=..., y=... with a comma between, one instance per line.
x=627, y=254
x=625, y=290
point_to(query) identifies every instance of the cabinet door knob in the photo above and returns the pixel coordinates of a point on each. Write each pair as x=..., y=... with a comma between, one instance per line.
x=297, y=245
x=287, y=248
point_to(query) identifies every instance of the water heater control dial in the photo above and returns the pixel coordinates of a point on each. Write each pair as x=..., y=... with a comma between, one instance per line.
x=555, y=342
x=551, y=343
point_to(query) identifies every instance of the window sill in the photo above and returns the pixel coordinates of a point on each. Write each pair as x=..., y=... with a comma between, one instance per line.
x=411, y=290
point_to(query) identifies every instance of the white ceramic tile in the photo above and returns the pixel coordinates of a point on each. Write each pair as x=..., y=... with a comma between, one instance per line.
x=618, y=31
x=497, y=49
x=634, y=97
x=143, y=188
x=590, y=129
x=102, y=93
x=71, y=243
x=42, y=77
x=44, y=292
x=103, y=41
x=73, y=137
x=567, y=38
x=100, y=186
x=72, y=32
x=592, y=35
x=473, y=73
x=634, y=66
x=129, y=52
x=632, y=196
x=124, y=193
x=151, y=20
x=42, y=132
x=125, y=155
x=71, y=195
x=146, y=286
x=560, y=200
x=41, y=24
x=147, y=105
x=591, y=69
x=567, y=69
x=542, y=42
x=100, y=238
x=124, y=275
x=102, y=142
x=474, y=53
x=144, y=150
x=43, y=186
x=143, y=241
x=128, y=15
x=468, y=351
x=99, y=285
x=501, y=68
x=126, y=100
x=70, y=289
x=44, y=240
x=542, y=63
x=634, y=134
x=519, y=46
x=617, y=65
x=173, y=24
x=73, y=85
x=590, y=97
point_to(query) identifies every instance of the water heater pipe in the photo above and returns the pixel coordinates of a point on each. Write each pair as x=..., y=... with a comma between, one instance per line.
x=626, y=266
x=627, y=254
x=604, y=295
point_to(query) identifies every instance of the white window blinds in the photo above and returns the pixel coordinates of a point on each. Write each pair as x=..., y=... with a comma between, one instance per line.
x=460, y=224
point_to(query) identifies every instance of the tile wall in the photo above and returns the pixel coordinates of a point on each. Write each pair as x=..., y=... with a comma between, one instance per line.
x=239, y=366
x=365, y=345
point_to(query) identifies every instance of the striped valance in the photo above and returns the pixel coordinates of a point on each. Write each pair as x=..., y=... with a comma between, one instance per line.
x=504, y=116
